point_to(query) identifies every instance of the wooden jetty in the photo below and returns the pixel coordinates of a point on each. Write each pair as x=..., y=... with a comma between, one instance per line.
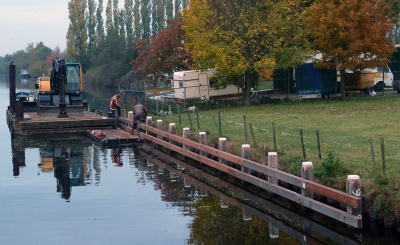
x=266, y=177
x=100, y=129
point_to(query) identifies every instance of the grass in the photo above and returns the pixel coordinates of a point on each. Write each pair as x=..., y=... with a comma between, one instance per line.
x=347, y=129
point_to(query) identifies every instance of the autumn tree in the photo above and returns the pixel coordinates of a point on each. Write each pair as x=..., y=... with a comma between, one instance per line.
x=350, y=34
x=242, y=37
x=77, y=37
x=164, y=53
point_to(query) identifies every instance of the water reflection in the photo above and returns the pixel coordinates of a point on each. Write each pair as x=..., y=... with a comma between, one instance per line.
x=221, y=212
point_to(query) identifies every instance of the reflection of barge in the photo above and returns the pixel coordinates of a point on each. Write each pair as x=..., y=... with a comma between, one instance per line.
x=24, y=74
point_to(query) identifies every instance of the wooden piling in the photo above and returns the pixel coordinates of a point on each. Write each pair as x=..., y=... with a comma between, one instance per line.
x=186, y=135
x=246, y=215
x=149, y=122
x=203, y=141
x=159, y=127
x=307, y=172
x=273, y=163
x=353, y=187
x=222, y=146
x=172, y=130
x=12, y=95
x=246, y=154
x=273, y=231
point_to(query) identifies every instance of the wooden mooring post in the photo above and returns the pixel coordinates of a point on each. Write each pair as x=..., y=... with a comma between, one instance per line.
x=186, y=135
x=222, y=146
x=353, y=187
x=307, y=172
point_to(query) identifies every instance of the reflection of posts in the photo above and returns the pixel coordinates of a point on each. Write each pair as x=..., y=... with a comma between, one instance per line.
x=61, y=173
x=18, y=156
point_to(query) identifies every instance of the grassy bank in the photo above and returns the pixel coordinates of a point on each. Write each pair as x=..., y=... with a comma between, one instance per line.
x=349, y=132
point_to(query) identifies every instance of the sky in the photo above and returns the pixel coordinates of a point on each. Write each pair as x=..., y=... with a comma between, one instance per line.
x=26, y=21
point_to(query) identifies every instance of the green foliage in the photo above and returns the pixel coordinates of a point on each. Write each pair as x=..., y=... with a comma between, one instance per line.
x=77, y=35
x=331, y=167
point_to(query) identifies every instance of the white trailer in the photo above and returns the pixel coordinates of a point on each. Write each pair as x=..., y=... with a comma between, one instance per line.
x=196, y=84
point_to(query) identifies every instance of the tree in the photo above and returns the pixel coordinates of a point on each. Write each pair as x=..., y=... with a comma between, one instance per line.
x=91, y=25
x=230, y=35
x=136, y=18
x=129, y=22
x=145, y=15
x=169, y=9
x=109, y=19
x=350, y=34
x=100, y=23
x=77, y=31
x=164, y=53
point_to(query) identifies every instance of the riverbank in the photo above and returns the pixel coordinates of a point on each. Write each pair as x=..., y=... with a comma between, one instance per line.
x=355, y=136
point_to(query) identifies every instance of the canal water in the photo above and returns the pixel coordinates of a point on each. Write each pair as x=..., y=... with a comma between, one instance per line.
x=65, y=189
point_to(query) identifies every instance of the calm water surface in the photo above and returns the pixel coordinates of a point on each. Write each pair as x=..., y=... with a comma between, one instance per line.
x=55, y=190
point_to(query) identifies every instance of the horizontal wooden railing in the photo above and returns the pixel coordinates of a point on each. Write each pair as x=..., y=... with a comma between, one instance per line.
x=175, y=143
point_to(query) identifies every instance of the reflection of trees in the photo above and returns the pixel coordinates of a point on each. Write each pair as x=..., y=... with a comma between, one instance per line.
x=173, y=190
x=215, y=225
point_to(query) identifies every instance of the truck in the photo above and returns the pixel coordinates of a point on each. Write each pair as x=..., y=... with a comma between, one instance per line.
x=312, y=82
x=61, y=93
x=197, y=84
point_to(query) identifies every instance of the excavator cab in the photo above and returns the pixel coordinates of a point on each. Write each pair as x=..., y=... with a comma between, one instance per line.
x=61, y=93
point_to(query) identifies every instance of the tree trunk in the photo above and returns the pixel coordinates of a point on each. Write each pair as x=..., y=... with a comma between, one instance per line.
x=247, y=87
x=342, y=92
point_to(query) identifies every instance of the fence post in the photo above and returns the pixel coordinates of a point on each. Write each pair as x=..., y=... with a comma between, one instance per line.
x=307, y=172
x=219, y=123
x=383, y=156
x=245, y=129
x=274, y=135
x=197, y=117
x=353, y=187
x=179, y=114
x=302, y=144
x=222, y=146
x=159, y=127
x=319, y=145
x=185, y=135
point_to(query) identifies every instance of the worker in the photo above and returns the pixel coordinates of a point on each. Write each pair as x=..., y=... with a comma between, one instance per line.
x=139, y=114
x=115, y=105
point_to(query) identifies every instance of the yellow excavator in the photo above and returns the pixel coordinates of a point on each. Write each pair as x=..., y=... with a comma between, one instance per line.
x=61, y=93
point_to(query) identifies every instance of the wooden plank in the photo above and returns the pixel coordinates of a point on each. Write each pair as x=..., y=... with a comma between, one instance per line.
x=288, y=178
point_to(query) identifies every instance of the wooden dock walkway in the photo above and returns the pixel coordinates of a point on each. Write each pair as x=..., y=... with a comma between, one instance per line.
x=102, y=130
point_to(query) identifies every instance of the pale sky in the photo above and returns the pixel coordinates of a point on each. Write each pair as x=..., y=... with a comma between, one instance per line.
x=26, y=21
